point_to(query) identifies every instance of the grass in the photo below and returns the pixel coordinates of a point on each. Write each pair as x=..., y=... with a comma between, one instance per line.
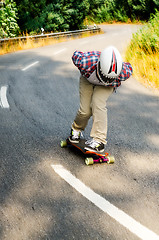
x=143, y=53
x=11, y=46
x=145, y=66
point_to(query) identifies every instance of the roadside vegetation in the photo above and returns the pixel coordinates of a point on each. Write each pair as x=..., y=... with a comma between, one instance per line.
x=13, y=46
x=143, y=53
x=20, y=17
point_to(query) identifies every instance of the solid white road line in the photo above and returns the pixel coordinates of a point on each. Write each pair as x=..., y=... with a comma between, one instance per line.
x=29, y=66
x=3, y=97
x=120, y=216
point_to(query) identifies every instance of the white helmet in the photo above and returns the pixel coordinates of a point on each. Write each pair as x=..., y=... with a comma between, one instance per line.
x=109, y=65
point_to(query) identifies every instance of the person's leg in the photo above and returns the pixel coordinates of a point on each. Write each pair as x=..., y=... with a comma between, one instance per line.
x=99, y=112
x=85, y=111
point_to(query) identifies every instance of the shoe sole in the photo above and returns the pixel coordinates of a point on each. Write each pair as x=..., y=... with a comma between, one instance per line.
x=74, y=141
x=93, y=150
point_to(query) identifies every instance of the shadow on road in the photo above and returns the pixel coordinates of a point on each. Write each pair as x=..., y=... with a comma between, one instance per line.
x=35, y=203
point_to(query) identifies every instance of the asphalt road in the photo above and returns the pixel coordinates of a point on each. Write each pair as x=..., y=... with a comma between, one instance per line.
x=39, y=199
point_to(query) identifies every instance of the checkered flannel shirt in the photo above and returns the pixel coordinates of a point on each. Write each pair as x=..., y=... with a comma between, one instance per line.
x=87, y=63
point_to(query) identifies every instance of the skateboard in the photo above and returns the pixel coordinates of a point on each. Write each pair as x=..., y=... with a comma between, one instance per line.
x=92, y=157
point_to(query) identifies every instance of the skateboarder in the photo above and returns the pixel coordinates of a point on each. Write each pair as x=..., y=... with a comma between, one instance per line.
x=101, y=73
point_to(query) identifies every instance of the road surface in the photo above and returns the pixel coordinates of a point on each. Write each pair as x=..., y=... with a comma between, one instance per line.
x=48, y=192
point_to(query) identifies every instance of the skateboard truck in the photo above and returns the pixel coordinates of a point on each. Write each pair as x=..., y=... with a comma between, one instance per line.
x=101, y=159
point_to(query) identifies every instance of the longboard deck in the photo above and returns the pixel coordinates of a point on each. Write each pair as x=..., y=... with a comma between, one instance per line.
x=81, y=146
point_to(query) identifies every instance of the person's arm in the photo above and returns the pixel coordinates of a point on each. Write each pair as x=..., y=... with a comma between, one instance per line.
x=86, y=62
x=126, y=71
x=76, y=58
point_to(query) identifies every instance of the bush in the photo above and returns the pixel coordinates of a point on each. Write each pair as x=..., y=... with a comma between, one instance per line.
x=147, y=38
x=8, y=20
x=52, y=15
x=143, y=50
x=123, y=10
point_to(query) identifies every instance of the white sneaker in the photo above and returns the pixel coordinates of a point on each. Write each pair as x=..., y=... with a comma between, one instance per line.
x=75, y=136
x=93, y=145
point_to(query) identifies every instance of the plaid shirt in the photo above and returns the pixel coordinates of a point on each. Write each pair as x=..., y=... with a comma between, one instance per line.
x=87, y=63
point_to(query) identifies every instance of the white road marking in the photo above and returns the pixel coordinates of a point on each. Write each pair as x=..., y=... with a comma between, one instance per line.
x=100, y=38
x=84, y=42
x=29, y=66
x=124, y=219
x=115, y=34
x=3, y=97
x=61, y=50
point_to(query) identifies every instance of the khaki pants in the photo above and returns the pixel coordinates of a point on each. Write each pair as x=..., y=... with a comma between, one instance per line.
x=93, y=103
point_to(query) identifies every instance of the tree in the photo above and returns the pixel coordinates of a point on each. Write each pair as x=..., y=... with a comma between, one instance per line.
x=123, y=10
x=137, y=9
x=52, y=15
x=8, y=19
x=64, y=15
x=28, y=12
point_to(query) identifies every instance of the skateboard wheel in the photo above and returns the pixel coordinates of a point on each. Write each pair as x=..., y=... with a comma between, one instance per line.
x=111, y=159
x=89, y=161
x=63, y=144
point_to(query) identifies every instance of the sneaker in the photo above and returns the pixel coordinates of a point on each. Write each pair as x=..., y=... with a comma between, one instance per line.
x=93, y=145
x=75, y=136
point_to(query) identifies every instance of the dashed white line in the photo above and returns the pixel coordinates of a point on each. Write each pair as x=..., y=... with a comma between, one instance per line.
x=100, y=38
x=124, y=219
x=61, y=50
x=84, y=42
x=3, y=97
x=115, y=34
x=29, y=66
x=33, y=64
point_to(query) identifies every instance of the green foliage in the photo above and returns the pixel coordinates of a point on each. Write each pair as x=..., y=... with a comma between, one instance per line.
x=115, y=10
x=109, y=12
x=29, y=12
x=143, y=53
x=8, y=20
x=147, y=38
x=64, y=15
x=55, y=15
